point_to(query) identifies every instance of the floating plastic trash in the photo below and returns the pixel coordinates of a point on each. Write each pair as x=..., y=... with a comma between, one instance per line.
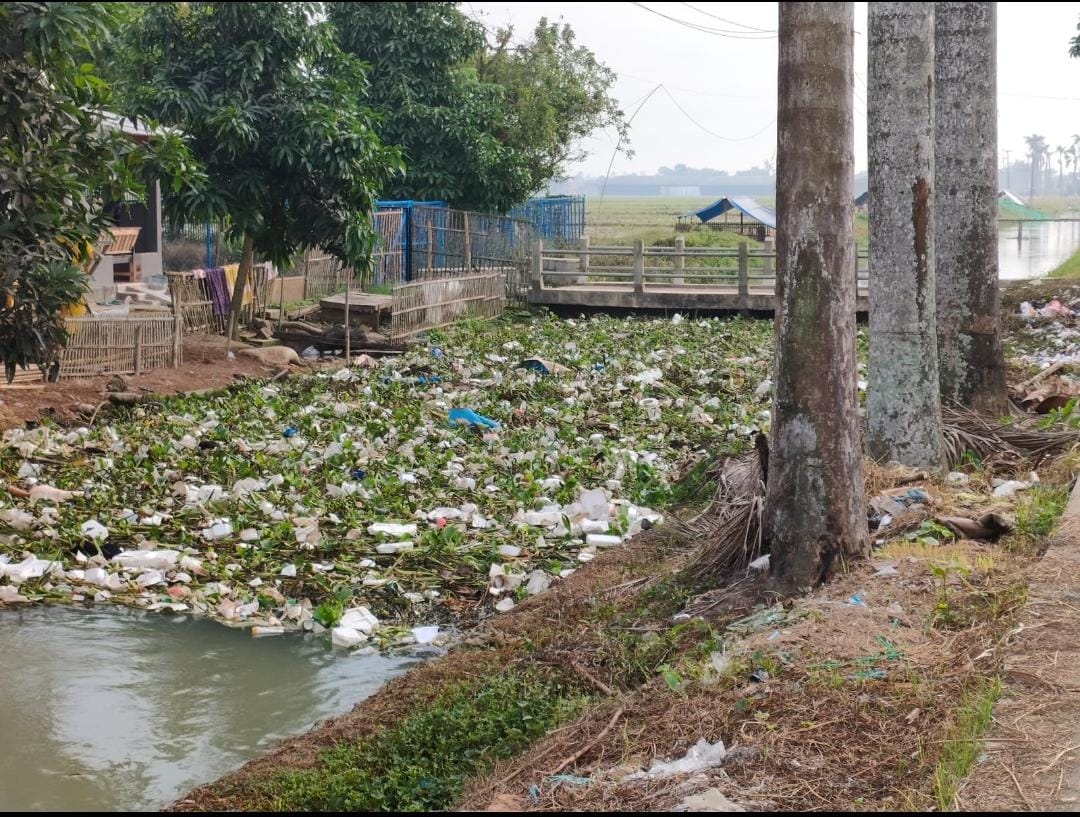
x=289, y=431
x=392, y=529
x=92, y=529
x=541, y=366
x=466, y=416
x=425, y=635
x=360, y=619
x=346, y=637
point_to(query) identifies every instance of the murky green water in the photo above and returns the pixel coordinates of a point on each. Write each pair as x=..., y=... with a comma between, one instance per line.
x=113, y=710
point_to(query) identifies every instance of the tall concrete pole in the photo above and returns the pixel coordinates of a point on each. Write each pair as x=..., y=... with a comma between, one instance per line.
x=903, y=404
x=972, y=364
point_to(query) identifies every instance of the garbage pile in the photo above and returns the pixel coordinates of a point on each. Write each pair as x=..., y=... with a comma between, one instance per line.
x=384, y=504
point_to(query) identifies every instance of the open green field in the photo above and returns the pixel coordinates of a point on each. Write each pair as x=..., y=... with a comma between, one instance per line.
x=620, y=220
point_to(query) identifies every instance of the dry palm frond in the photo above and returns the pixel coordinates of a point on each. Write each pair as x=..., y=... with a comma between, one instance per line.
x=731, y=530
x=967, y=431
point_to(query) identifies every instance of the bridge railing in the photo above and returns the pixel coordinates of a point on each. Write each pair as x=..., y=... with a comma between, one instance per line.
x=740, y=269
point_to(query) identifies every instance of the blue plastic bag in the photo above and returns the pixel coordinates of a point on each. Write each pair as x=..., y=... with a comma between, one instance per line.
x=466, y=416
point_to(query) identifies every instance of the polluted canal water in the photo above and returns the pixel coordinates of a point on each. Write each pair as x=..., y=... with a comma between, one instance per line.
x=116, y=710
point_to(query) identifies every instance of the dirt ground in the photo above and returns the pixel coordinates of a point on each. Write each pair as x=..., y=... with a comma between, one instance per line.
x=1031, y=757
x=204, y=367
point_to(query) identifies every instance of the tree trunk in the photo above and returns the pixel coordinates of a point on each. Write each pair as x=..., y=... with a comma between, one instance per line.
x=247, y=259
x=903, y=401
x=815, y=507
x=972, y=364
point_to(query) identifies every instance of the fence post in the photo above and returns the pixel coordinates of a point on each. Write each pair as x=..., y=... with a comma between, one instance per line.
x=467, y=250
x=138, y=349
x=178, y=321
x=770, y=255
x=209, y=247
x=639, y=266
x=407, y=212
x=583, y=259
x=680, y=260
x=307, y=258
x=538, y=266
x=744, y=275
x=430, y=246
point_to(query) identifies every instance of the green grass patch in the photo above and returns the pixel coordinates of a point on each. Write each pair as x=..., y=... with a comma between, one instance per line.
x=1069, y=268
x=422, y=763
x=964, y=743
x=1038, y=510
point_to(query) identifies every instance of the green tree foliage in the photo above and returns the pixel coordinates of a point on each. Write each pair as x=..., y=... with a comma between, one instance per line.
x=482, y=125
x=60, y=159
x=271, y=109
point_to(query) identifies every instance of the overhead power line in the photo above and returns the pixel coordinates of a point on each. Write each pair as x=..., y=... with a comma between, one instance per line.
x=648, y=96
x=729, y=22
x=704, y=129
x=704, y=29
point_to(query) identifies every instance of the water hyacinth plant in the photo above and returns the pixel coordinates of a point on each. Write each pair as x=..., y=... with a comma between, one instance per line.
x=297, y=504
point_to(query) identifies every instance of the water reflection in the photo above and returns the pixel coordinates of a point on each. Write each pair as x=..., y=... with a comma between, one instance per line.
x=115, y=710
x=1033, y=248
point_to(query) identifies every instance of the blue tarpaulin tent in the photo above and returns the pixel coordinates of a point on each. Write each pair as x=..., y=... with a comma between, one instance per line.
x=741, y=204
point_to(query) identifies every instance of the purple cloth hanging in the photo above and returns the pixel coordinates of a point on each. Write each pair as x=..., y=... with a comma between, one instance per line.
x=219, y=290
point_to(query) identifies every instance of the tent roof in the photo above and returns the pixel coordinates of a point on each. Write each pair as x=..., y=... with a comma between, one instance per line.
x=745, y=205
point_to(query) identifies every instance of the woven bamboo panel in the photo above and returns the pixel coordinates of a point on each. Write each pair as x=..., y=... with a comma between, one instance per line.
x=431, y=303
x=387, y=267
x=324, y=275
x=128, y=345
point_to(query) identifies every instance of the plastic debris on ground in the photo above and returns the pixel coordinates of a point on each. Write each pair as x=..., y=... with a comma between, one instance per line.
x=702, y=755
x=708, y=800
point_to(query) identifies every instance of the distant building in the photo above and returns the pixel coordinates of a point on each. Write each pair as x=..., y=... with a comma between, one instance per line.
x=683, y=191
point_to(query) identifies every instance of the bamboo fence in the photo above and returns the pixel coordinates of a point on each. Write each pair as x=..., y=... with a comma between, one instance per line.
x=127, y=345
x=431, y=303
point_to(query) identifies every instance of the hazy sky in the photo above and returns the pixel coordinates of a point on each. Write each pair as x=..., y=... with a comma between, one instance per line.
x=726, y=85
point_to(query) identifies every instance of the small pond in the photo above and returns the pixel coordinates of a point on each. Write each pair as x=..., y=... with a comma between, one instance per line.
x=1032, y=248
x=116, y=710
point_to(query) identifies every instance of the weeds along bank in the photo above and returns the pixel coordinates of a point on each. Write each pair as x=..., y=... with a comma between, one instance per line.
x=349, y=501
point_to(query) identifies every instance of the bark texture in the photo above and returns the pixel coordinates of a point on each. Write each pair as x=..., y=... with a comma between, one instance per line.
x=903, y=401
x=972, y=365
x=815, y=508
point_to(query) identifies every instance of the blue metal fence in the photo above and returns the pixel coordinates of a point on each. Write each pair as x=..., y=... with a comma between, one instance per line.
x=554, y=218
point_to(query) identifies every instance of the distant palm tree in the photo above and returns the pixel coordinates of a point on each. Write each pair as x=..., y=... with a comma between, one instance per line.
x=1061, y=173
x=1076, y=161
x=1036, y=149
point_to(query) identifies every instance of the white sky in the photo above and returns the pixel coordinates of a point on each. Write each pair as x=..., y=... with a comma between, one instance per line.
x=728, y=84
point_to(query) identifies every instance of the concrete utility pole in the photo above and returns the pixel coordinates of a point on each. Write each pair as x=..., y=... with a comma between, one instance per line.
x=903, y=404
x=815, y=507
x=972, y=364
